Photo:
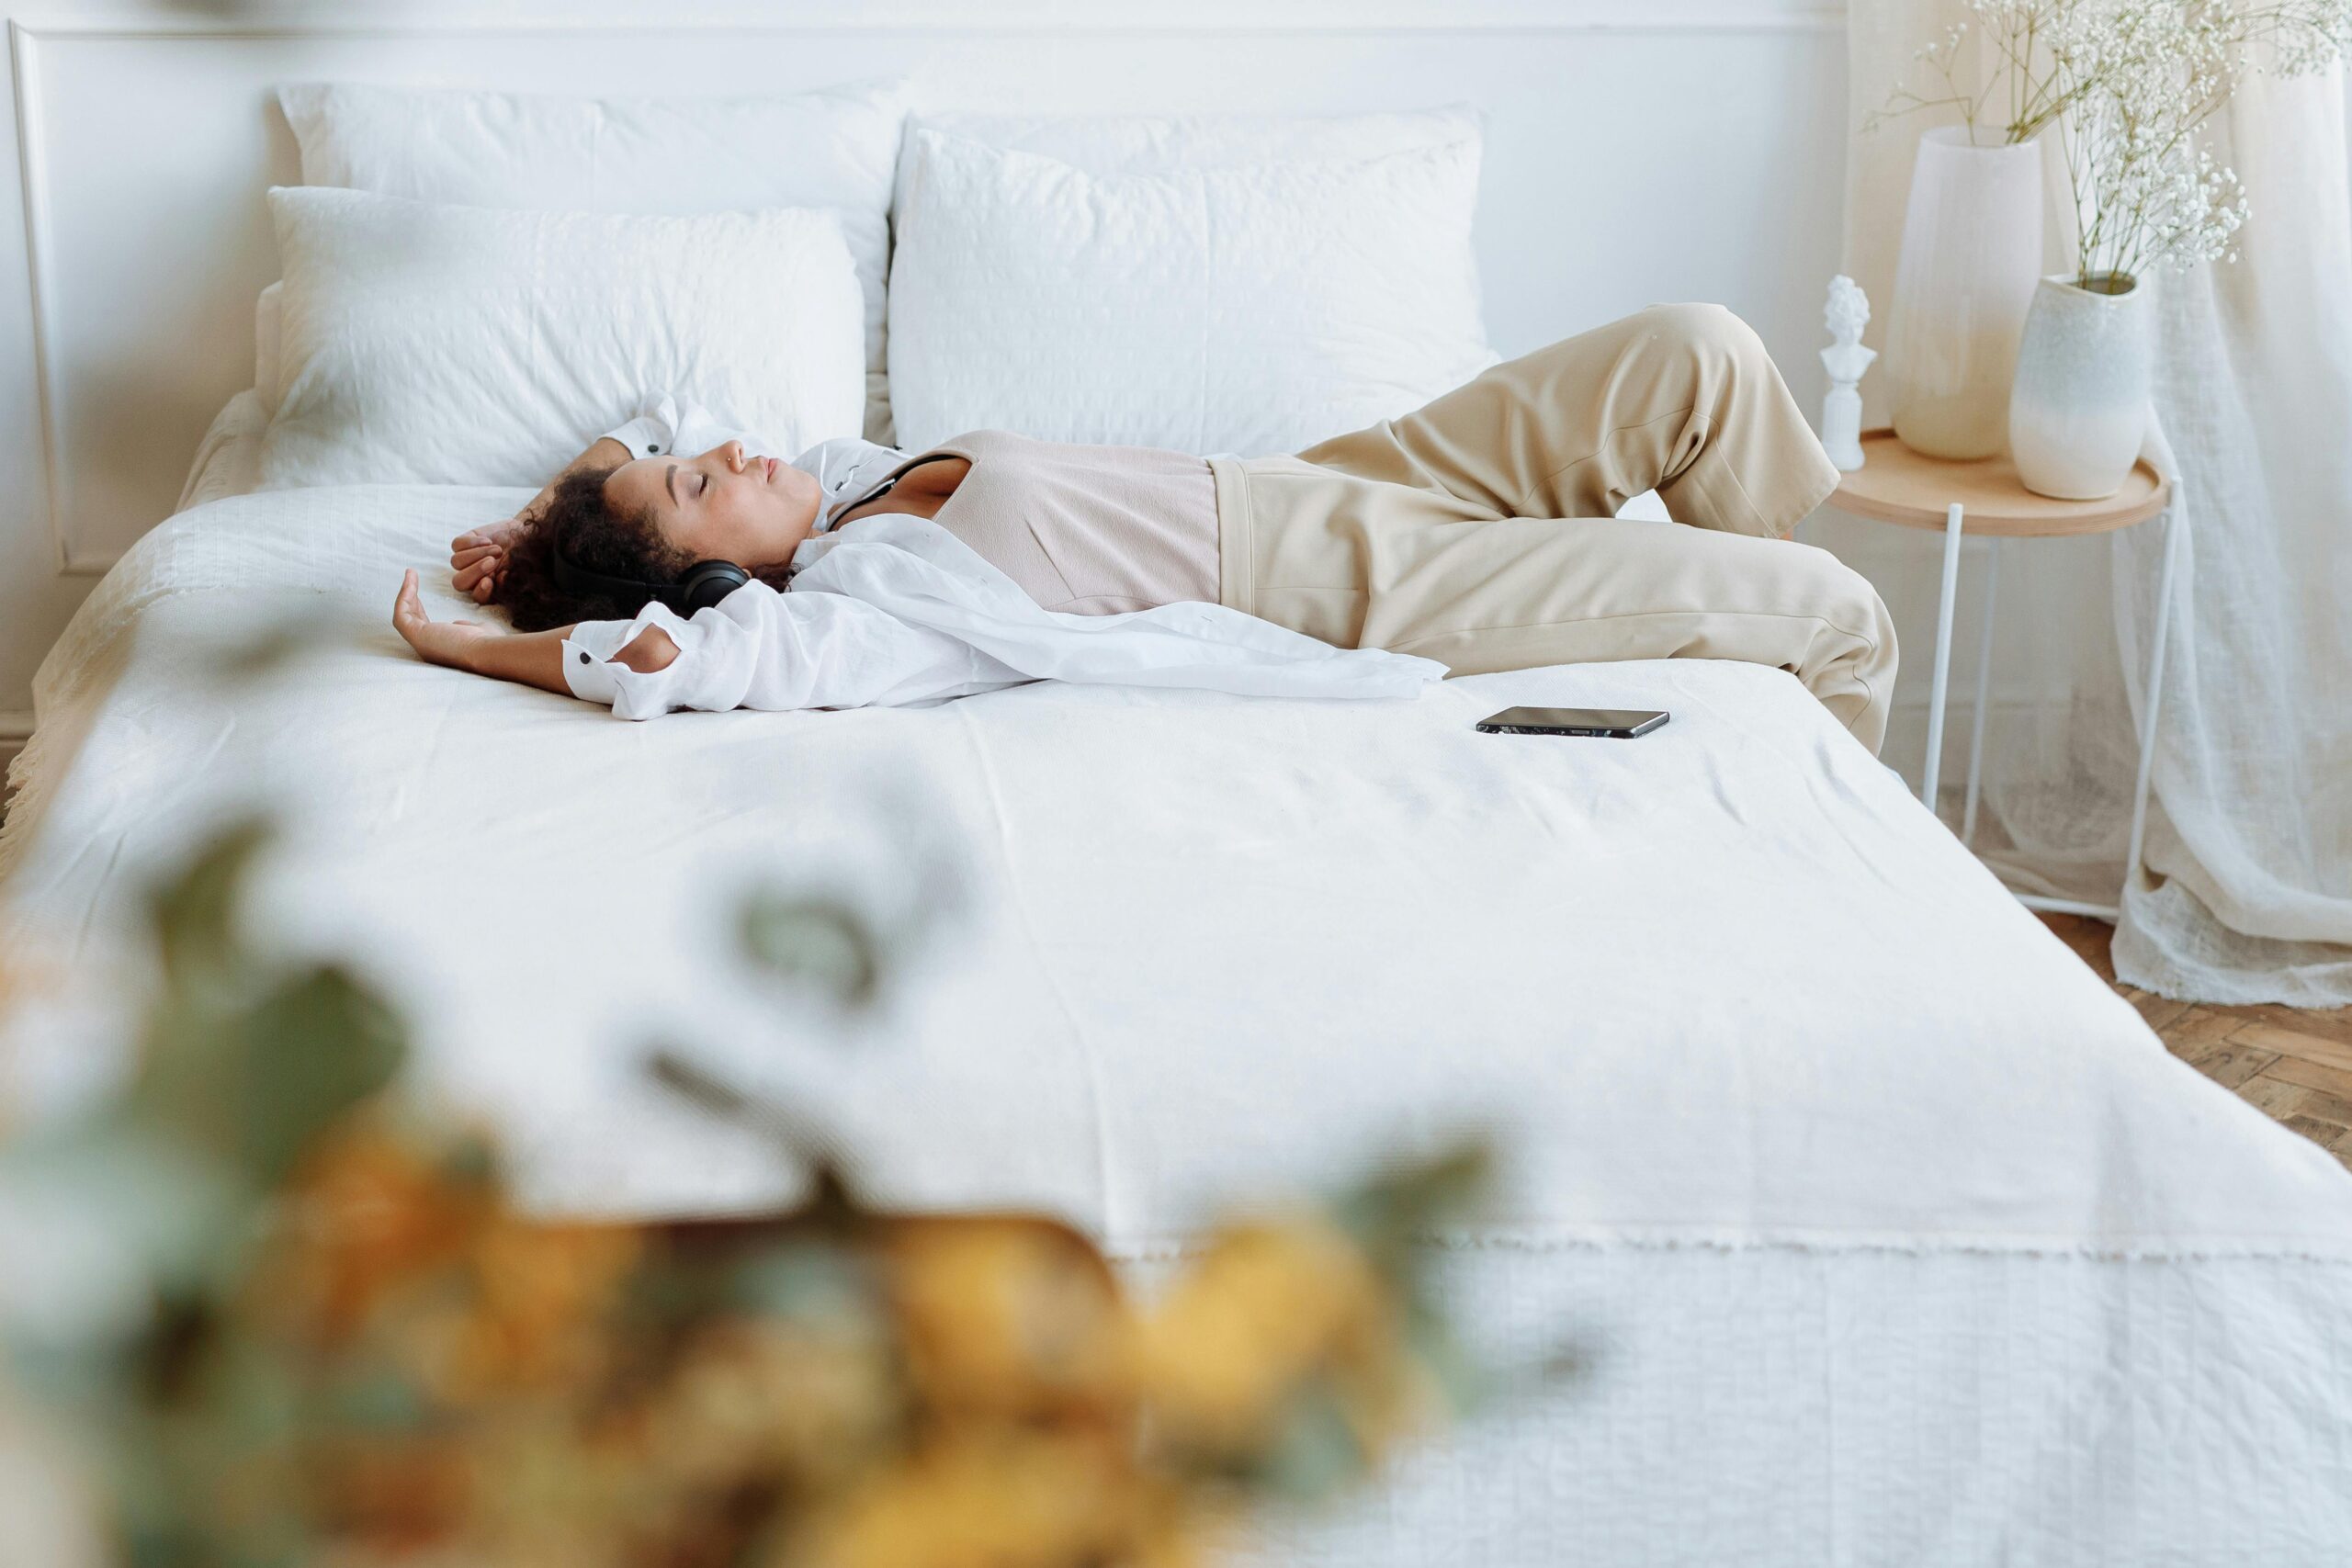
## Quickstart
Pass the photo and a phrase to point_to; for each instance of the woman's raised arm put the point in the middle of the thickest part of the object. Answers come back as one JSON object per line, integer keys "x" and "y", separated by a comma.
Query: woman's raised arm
{"x": 478, "y": 556}
{"x": 532, "y": 658}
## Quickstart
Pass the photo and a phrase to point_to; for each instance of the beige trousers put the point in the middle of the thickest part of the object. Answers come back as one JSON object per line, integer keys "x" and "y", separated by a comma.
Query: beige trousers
{"x": 1478, "y": 531}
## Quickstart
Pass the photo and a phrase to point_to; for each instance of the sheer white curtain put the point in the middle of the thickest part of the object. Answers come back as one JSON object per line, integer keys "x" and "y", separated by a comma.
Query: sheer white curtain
{"x": 2247, "y": 890}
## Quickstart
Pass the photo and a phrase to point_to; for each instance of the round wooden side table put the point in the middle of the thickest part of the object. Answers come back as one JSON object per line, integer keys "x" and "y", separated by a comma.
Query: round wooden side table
{"x": 1897, "y": 485}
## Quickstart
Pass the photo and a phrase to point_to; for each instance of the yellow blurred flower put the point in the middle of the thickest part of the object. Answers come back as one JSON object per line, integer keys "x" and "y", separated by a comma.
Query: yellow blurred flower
{"x": 1272, "y": 1306}
{"x": 1010, "y": 1316}
{"x": 366, "y": 1214}
{"x": 540, "y": 1295}
{"x": 803, "y": 1406}
{"x": 1008, "y": 1496}
{"x": 490, "y": 1302}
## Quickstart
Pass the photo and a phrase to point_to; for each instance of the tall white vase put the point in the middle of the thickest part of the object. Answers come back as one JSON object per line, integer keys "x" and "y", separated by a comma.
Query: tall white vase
{"x": 1972, "y": 250}
{"x": 2079, "y": 411}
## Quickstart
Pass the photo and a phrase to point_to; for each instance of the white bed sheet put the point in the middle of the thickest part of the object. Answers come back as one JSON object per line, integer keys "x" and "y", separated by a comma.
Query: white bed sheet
{"x": 1905, "y": 1239}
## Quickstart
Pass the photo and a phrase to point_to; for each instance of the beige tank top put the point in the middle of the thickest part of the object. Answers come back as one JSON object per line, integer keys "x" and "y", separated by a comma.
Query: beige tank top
{"x": 1086, "y": 530}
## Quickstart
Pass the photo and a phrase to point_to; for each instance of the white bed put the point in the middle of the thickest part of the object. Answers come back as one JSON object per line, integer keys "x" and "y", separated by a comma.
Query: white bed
{"x": 1898, "y": 1238}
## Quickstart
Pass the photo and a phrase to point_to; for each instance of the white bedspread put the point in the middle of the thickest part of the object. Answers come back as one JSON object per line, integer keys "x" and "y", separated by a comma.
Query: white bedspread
{"x": 1725, "y": 989}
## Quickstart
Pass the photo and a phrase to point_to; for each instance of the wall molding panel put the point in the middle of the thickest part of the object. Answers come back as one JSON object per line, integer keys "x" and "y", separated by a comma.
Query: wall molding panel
{"x": 32, "y": 173}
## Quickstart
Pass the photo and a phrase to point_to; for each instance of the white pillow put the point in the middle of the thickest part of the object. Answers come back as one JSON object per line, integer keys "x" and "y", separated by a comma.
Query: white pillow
{"x": 1252, "y": 309}
{"x": 431, "y": 344}
{"x": 1160, "y": 144}
{"x": 834, "y": 149}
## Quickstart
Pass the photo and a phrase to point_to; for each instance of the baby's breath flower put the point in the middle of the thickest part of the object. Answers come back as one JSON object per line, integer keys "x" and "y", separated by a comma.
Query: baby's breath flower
{"x": 2126, "y": 85}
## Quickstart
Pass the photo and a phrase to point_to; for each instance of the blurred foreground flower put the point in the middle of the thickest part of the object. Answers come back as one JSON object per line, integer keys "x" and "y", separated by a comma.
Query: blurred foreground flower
{"x": 313, "y": 1328}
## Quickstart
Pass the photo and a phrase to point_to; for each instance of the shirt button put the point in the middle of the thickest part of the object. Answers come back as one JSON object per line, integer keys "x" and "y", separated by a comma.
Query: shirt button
{"x": 583, "y": 659}
{"x": 651, "y": 447}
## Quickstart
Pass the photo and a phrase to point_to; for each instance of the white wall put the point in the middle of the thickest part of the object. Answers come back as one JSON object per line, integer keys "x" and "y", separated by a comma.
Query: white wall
{"x": 1638, "y": 151}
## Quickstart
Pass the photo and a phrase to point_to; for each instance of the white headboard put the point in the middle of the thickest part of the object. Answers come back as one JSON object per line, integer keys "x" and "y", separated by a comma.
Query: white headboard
{"x": 1638, "y": 151}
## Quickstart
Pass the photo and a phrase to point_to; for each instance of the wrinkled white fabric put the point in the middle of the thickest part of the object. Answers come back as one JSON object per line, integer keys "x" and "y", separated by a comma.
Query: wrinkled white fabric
{"x": 228, "y": 460}
{"x": 2246, "y": 895}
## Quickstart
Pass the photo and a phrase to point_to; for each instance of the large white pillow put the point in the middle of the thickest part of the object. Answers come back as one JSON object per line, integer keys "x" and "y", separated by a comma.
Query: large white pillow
{"x": 1160, "y": 144}
{"x": 834, "y": 149}
{"x": 433, "y": 344}
{"x": 1250, "y": 309}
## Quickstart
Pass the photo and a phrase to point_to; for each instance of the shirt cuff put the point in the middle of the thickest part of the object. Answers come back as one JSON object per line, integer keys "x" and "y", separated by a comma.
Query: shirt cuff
{"x": 644, "y": 437}
{"x": 585, "y": 655}
{"x": 590, "y": 671}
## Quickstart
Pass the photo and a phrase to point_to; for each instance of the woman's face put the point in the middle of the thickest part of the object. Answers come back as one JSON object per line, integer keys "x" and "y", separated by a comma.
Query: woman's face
{"x": 724, "y": 505}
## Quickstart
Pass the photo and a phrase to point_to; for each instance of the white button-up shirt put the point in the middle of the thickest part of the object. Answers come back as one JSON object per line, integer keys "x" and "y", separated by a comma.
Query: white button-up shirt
{"x": 893, "y": 609}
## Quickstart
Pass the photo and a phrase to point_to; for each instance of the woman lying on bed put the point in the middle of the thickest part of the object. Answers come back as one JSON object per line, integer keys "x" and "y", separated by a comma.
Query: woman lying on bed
{"x": 1477, "y": 532}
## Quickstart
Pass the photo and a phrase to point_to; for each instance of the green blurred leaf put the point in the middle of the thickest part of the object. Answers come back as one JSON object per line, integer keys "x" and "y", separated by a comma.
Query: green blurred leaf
{"x": 1316, "y": 1453}
{"x": 469, "y": 1160}
{"x": 803, "y": 1137}
{"x": 314, "y": 1048}
{"x": 195, "y": 914}
{"x": 806, "y": 1278}
{"x": 192, "y": 1477}
{"x": 243, "y": 1062}
{"x": 813, "y": 941}
{"x": 250, "y": 1079}
{"x": 278, "y": 647}
{"x": 1410, "y": 1199}
{"x": 375, "y": 1397}
{"x": 120, "y": 1216}
{"x": 1463, "y": 1381}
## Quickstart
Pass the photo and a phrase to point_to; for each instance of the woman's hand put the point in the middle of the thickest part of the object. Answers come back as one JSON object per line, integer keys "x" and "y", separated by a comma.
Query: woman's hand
{"x": 534, "y": 658}
{"x": 478, "y": 557}
{"x": 455, "y": 643}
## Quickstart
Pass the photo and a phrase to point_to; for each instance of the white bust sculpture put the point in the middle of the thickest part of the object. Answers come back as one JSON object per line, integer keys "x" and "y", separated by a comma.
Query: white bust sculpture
{"x": 1847, "y": 313}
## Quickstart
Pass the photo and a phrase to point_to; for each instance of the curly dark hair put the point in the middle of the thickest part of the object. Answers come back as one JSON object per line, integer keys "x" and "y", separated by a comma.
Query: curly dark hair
{"x": 595, "y": 536}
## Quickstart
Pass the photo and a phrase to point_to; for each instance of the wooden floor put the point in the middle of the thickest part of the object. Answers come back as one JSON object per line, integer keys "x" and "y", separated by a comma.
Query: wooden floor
{"x": 2295, "y": 1068}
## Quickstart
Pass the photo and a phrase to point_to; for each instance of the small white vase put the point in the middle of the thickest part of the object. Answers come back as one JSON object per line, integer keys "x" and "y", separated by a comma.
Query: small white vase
{"x": 1971, "y": 250}
{"x": 2078, "y": 411}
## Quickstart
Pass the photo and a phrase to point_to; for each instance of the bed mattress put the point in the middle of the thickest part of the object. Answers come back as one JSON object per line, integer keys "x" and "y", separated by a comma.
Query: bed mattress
{"x": 1899, "y": 1238}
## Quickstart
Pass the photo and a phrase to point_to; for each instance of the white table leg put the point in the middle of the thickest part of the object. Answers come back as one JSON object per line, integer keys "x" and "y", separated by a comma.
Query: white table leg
{"x": 2150, "y": 710}
{"x": 2154, "y": 703}
{"x": 1941, "y": 687}
{"x": 1983, "y": 691}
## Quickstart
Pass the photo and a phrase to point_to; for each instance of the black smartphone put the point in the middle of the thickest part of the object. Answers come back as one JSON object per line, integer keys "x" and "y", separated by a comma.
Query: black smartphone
{"x": 1617, "y": 723}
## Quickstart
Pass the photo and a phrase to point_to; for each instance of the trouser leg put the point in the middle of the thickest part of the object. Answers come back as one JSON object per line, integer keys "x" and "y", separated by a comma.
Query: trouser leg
{"x": 1517, "y": 593}
{"x": 1679, "y": 399}
{"x": 1438, "y": 533}
{"x": 1364, "y": 563}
